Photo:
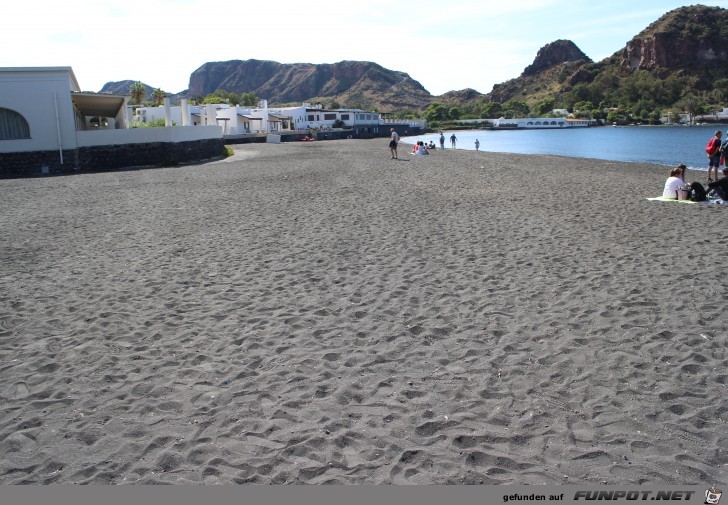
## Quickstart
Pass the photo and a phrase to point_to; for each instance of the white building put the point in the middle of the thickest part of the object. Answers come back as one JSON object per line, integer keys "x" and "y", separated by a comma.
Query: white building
{"x": 42, "y": 109}
{"x": 47, "y": 124}
{"x": 543, "y": 123}
{"x": 241, "y": 120}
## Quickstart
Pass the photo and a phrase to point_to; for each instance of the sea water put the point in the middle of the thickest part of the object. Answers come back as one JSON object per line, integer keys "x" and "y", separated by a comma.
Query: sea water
{"x": 662, "y": 145}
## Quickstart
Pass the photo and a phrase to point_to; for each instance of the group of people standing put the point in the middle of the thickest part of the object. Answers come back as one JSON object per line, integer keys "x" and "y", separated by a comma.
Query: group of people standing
{"x": 394, "y": 141}
{"x": 717, "y": 151}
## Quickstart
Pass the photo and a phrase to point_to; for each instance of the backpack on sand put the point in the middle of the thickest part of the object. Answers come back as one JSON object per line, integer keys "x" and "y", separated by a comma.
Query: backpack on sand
{"x": 697, "y": 192}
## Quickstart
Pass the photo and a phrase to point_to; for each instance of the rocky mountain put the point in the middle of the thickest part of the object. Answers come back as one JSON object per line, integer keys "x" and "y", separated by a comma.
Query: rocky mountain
{"x": 692, "y": 39}
{"x": 555, "y": 64}
{"x": 123, "y": 87}
{"x": 687, "y": 47}
{"x": 555, "y": 53}
{"x": 351, "y": 83}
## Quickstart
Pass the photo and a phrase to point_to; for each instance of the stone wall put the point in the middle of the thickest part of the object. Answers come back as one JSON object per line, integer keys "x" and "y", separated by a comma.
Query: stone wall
{"x": 102, "y": 158}
{"x": 245, "y": 139}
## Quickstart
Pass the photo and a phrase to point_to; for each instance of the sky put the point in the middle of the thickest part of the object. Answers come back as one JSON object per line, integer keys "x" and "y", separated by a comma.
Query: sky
{"x": 445, "y": 45}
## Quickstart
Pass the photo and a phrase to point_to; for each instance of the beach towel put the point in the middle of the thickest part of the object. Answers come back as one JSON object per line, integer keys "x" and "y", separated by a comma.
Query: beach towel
{"x": 663, "y": 199}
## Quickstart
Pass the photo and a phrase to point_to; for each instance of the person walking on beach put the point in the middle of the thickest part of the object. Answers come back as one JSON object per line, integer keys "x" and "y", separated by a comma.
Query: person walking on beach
{"x": 477, "y": 145}
{"x": 393, "y": 143}
{"x": 713, "y": 151}
{"x": 453, "y": 141}
{"x": 442, "y": 141}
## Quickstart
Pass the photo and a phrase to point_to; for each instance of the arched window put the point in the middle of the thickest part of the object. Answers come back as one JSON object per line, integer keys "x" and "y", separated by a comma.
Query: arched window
{"x": 13, "y": 125}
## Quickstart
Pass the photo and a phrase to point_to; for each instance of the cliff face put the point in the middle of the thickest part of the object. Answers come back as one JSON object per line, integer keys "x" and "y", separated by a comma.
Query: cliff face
{"x": 349, "y": 82}
{"x": 685, "y": 38}
{"x": 556, "y": 67}
{"x": 553, "y": 54}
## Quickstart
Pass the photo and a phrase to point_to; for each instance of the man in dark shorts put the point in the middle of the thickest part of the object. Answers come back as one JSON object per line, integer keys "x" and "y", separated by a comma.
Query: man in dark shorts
{"x": 393, "y": 143}
{"x": 713, "y": 151}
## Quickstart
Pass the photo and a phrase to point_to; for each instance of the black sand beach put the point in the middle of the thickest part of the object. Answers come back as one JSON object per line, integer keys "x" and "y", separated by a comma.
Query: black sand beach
{"x": 318, "y": 313}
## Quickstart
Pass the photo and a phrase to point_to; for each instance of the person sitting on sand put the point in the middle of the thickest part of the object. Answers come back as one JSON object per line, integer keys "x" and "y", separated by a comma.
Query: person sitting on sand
{"x": 421, "y": 149}
{"x": 674, "y": 183}
{"x": 720, "y": 187}
{"x": 431, "y": 145}
{"x": 682, "y": 168}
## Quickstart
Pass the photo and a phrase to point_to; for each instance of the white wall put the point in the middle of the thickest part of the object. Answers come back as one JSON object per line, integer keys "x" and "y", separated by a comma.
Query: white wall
{"x": 31, "y": 94}
{"x": 147, "y": 135}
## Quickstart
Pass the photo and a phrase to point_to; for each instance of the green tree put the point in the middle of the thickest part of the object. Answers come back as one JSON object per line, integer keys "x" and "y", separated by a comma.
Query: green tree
{"x": 248, "y": 99}
{"x": 158, "y": 96}
{"x": 689, "y": 103}
{"x": 407, "y": 114}
{"x": 492, "y": 110}
{"x": 137, "y": 92}
{"x": 721, "y": 88}
{"x": 222, "y": 96}
{"x": 516, "y": 108}
{"x": 436, "y": 112}
{"x": 454, "y": 113}
{"x": 545, "y": 106}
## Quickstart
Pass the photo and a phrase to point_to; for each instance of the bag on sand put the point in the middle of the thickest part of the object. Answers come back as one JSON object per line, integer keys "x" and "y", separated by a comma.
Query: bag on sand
{"x": 697, "y": 192}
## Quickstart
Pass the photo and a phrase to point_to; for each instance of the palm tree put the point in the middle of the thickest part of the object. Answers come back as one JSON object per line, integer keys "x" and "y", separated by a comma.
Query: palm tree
{"x": 158, "y": 96}
{"x": 138, "y": 92}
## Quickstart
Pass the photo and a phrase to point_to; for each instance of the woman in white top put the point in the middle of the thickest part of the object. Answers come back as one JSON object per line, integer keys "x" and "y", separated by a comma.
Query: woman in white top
{"x": 674, "y": 183}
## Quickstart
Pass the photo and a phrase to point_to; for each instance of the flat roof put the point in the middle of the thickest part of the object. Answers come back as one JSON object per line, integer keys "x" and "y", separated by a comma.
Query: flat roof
{"x": 66, "y": 70}
{"x": 98, "y": 104}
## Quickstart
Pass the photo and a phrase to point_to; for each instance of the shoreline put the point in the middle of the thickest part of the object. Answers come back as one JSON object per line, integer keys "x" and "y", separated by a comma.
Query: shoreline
{"x": 565, "y": 142}
{"x": 316, "y": 313}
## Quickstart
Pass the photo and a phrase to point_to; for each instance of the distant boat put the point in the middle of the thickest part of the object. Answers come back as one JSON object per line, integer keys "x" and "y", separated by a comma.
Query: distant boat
{"x": 545, "y": 123}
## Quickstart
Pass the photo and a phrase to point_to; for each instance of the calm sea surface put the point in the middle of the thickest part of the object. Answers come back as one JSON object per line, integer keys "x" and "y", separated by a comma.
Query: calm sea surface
{"x": 663, "y": 145}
